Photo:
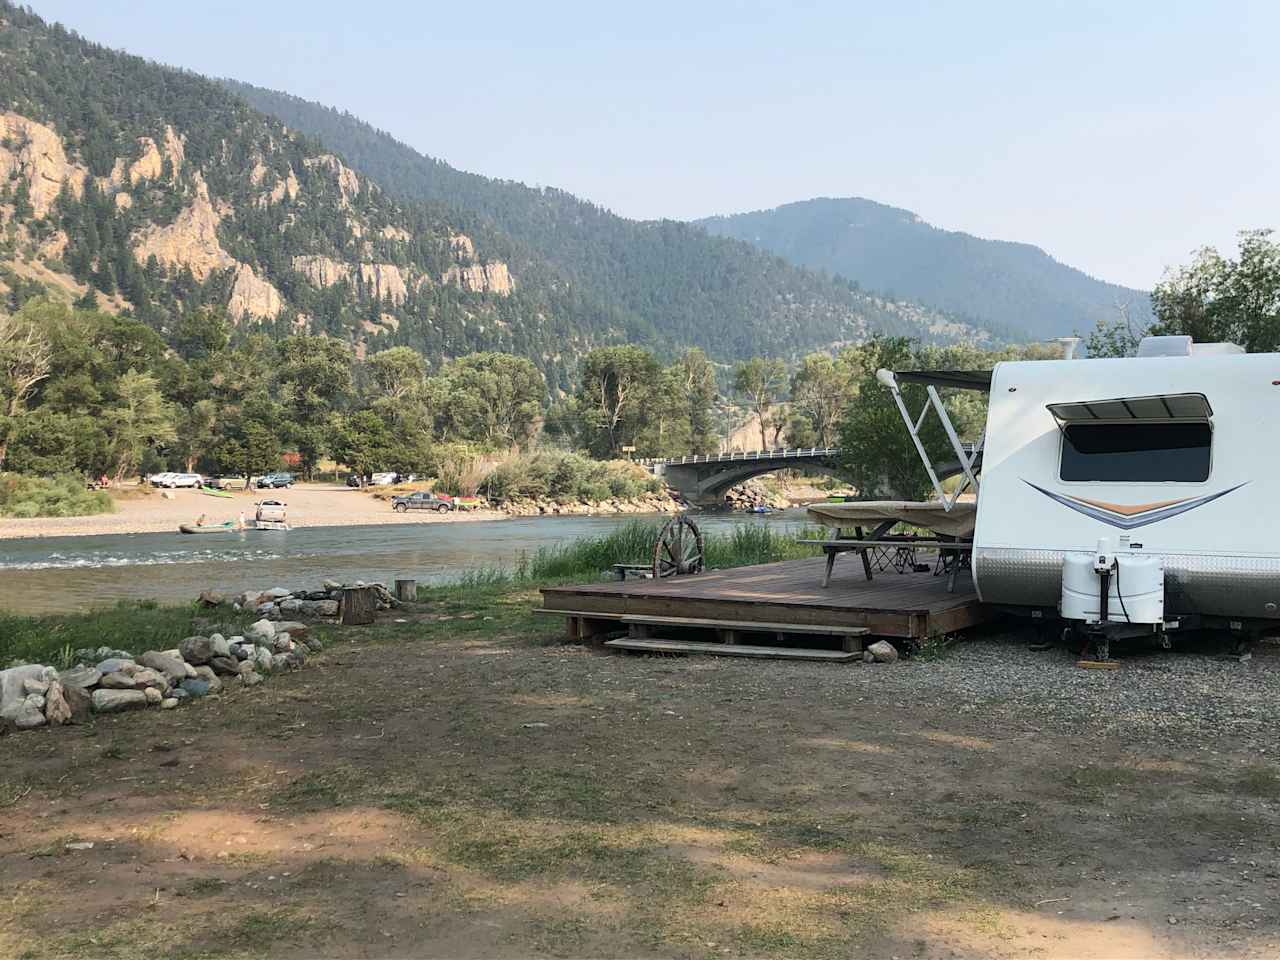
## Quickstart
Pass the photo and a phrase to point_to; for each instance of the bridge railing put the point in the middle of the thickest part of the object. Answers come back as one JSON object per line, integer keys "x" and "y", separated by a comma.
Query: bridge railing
{"x": 779, "y": 453}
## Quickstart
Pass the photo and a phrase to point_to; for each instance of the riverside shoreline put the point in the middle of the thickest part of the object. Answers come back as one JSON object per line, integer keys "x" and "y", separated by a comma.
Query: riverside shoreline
{"x": 310, "y": 505}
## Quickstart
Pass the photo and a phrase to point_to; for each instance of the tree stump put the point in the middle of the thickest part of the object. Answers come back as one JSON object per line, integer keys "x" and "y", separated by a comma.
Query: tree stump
{"x": 359, "y": 605}
{"x": 406, "y": 590}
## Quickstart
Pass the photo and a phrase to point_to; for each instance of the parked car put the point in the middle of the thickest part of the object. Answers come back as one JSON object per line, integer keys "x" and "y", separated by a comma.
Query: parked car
{"x": 229, "y": 483}
{"x": 383, "y": 479}
{"x": 421, "y": 501}
{"x": 274, "y": 481}
{"x": 354, "y": 480}
{"x": 159, "y": 479}
{"x": 172, "y": 480}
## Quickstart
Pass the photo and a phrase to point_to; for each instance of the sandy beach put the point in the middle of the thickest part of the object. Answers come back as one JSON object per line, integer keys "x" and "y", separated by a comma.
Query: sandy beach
{"x": 310, "y": 505}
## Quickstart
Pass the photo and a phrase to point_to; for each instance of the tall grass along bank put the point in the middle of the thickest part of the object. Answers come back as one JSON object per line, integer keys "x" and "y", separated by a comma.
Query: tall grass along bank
{"x": 27, "y": 497}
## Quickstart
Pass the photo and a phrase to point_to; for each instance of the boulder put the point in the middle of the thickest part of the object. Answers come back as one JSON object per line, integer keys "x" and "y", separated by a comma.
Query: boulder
{"x": 262, "y": 659}
{"x": 154, "y": 696}
{"x": 277, "y": 593}
{"x": 327, "y": 608}
{"x": 220, "y": 644}
{"x": 168, "y": 703}
{"x": 81, "y": 677}
{"x": 882, "y": 651}
{"x": 80, "y": 703}
{"x": 208, "y": 676}
{"x": 279, "y": 661}
{"x": 314, "y": 645}
{"x": 331, "y": 585}
{"x": 191, "y": 670}
{"x": 294, "y": 628}
{"x": 225, "y": 666}
{"x": 35, "y": 685}
{"x": 246, "y": 666}
{"x": 147, "y": 678}
{"x": 13, "y": 686}
{"x": 196, "y": 650}
{"x": 282, "y": 643}
{"x": 208, "y": 598}
{"x": 56, "y": 709}
{"x": 250, "y": 678}
{"x": 250, "y": 598}
{"x": 290, "y": 605}
{"x": 124, "y": 665}
{"x": 118, "y": 681}
{"x": 116, "y": 701}
{"x": 241, "y": 651}
{"x": 193, "y": 688}
{"x": 261, "y": 630}
{"x": 24, "y": 713}
{"x": 172, "y": 667}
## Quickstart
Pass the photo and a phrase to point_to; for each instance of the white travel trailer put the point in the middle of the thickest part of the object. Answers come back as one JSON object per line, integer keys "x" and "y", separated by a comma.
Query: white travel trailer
{"x": 1130, "y": 496}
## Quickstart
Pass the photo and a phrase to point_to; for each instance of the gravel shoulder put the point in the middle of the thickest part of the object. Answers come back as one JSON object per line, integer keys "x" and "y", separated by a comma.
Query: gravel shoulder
{"x": 460, "y": 784}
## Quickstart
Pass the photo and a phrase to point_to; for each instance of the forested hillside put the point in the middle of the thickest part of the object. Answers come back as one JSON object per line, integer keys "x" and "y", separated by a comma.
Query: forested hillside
{"x": 670, "y": 281}
{"x": 152, "y": 191}
{"x": 1011, "y": 286}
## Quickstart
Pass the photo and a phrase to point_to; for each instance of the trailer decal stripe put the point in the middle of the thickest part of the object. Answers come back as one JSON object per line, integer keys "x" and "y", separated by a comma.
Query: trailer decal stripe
{"x": 1129, "y": 517}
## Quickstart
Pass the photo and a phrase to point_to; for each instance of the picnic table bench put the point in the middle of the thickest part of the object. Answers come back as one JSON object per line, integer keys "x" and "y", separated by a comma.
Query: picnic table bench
{"x": 953, "y": 532}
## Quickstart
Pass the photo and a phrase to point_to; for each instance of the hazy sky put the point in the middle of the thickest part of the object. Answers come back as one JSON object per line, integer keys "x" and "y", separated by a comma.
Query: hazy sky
{"x": 1118, "y": 136}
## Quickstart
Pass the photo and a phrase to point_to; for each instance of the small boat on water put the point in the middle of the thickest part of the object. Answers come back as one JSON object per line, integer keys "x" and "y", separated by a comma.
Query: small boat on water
{"x": 228, "y": 527}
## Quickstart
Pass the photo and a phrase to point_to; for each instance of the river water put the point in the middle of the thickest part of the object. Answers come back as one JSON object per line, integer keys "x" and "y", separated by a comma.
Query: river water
{"x": 77, "y": 573}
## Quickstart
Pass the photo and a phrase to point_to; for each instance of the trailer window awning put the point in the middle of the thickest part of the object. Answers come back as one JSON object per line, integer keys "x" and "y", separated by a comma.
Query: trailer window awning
{"x": 956, "y": 379}
{"x": 1164, "y": 406}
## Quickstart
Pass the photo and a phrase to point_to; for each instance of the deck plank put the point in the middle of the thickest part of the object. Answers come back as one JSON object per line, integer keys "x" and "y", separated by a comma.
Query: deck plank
{"x": 893, "y": 604}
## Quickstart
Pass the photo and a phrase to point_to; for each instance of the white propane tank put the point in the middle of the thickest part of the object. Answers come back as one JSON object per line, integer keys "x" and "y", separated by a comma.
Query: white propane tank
{"x": 1138, "y": 581}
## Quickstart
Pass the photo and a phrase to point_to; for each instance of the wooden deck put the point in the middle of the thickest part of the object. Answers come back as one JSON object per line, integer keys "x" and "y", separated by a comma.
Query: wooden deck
{"x": 907, "y": 606}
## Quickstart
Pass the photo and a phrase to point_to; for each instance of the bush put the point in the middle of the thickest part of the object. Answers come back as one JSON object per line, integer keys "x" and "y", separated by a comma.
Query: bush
{"x": 63, "y": 496}
{"x": 567, "y": 476}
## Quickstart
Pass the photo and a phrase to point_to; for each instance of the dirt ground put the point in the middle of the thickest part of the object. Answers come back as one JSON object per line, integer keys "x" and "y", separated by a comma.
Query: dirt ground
{"x": 462, "y": 785}
{"x": 310, "y": 505}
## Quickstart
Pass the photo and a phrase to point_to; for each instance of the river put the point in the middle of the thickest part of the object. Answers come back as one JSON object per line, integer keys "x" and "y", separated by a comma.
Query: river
{"x": 55, "y": 574}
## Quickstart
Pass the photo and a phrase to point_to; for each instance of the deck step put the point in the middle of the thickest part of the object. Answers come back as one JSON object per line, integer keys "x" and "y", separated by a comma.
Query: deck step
{"x": 746, "y": 626}
{"x": 730, "y": 650}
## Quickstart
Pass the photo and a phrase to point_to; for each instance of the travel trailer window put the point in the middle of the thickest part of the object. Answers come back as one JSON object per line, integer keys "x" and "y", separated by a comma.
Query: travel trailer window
{"x": 1136, "y": 451}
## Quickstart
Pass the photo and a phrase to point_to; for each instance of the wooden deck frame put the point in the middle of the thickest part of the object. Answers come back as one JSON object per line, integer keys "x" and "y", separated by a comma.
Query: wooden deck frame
{"x": 910, "y": 606}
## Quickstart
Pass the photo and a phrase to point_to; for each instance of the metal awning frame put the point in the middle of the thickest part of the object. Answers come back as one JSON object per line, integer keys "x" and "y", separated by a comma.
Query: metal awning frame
{"x": 967, "y": 461}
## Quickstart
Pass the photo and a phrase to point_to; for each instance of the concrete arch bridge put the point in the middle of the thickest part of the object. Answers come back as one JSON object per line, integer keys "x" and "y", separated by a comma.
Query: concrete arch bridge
{"x": 704, "y": 479}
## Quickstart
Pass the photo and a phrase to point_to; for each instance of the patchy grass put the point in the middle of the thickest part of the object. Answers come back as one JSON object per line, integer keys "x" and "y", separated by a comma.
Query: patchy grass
{"x": 132, "y": 626}
{"x": 1259, "y": 780}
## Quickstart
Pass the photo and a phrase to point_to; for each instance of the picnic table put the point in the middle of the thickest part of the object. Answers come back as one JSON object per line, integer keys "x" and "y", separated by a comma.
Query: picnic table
{"x": 952, "y": 533}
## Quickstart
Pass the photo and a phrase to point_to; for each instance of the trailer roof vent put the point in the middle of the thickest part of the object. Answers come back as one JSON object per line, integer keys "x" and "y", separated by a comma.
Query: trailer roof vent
{"x": 1215, "y": 349}
{"x": 1179, "y": 346}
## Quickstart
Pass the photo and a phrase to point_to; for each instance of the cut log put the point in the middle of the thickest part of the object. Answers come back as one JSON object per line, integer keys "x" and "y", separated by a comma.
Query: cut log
{"x": 406, "y": 590}
{"x": 359, "y": 605}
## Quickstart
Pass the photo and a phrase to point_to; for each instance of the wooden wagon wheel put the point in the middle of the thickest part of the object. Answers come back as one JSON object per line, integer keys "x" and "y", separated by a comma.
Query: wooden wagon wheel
{"x": 678, "y": 549}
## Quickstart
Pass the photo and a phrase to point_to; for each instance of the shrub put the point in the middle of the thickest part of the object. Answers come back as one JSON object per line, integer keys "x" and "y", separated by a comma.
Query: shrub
{"x": 567, "y": 476}
{"x": 62, "y": 496}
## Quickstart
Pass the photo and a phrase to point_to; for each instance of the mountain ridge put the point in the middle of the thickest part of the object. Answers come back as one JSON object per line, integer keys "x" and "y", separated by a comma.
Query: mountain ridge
{"x": 997, "y": 283}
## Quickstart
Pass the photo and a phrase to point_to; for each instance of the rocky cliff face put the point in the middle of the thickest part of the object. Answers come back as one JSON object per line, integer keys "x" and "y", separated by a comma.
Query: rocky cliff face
{"x": 253, "y": 297}
{"x": 492, "y": 278}
{"x": 191, "y": 241}
{"x": 33, "y": 154}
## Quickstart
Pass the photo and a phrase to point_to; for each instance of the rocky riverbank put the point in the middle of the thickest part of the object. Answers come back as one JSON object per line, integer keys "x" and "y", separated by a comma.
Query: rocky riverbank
{"x": 106, "y": 680}
{"x": 666, "y": 502}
